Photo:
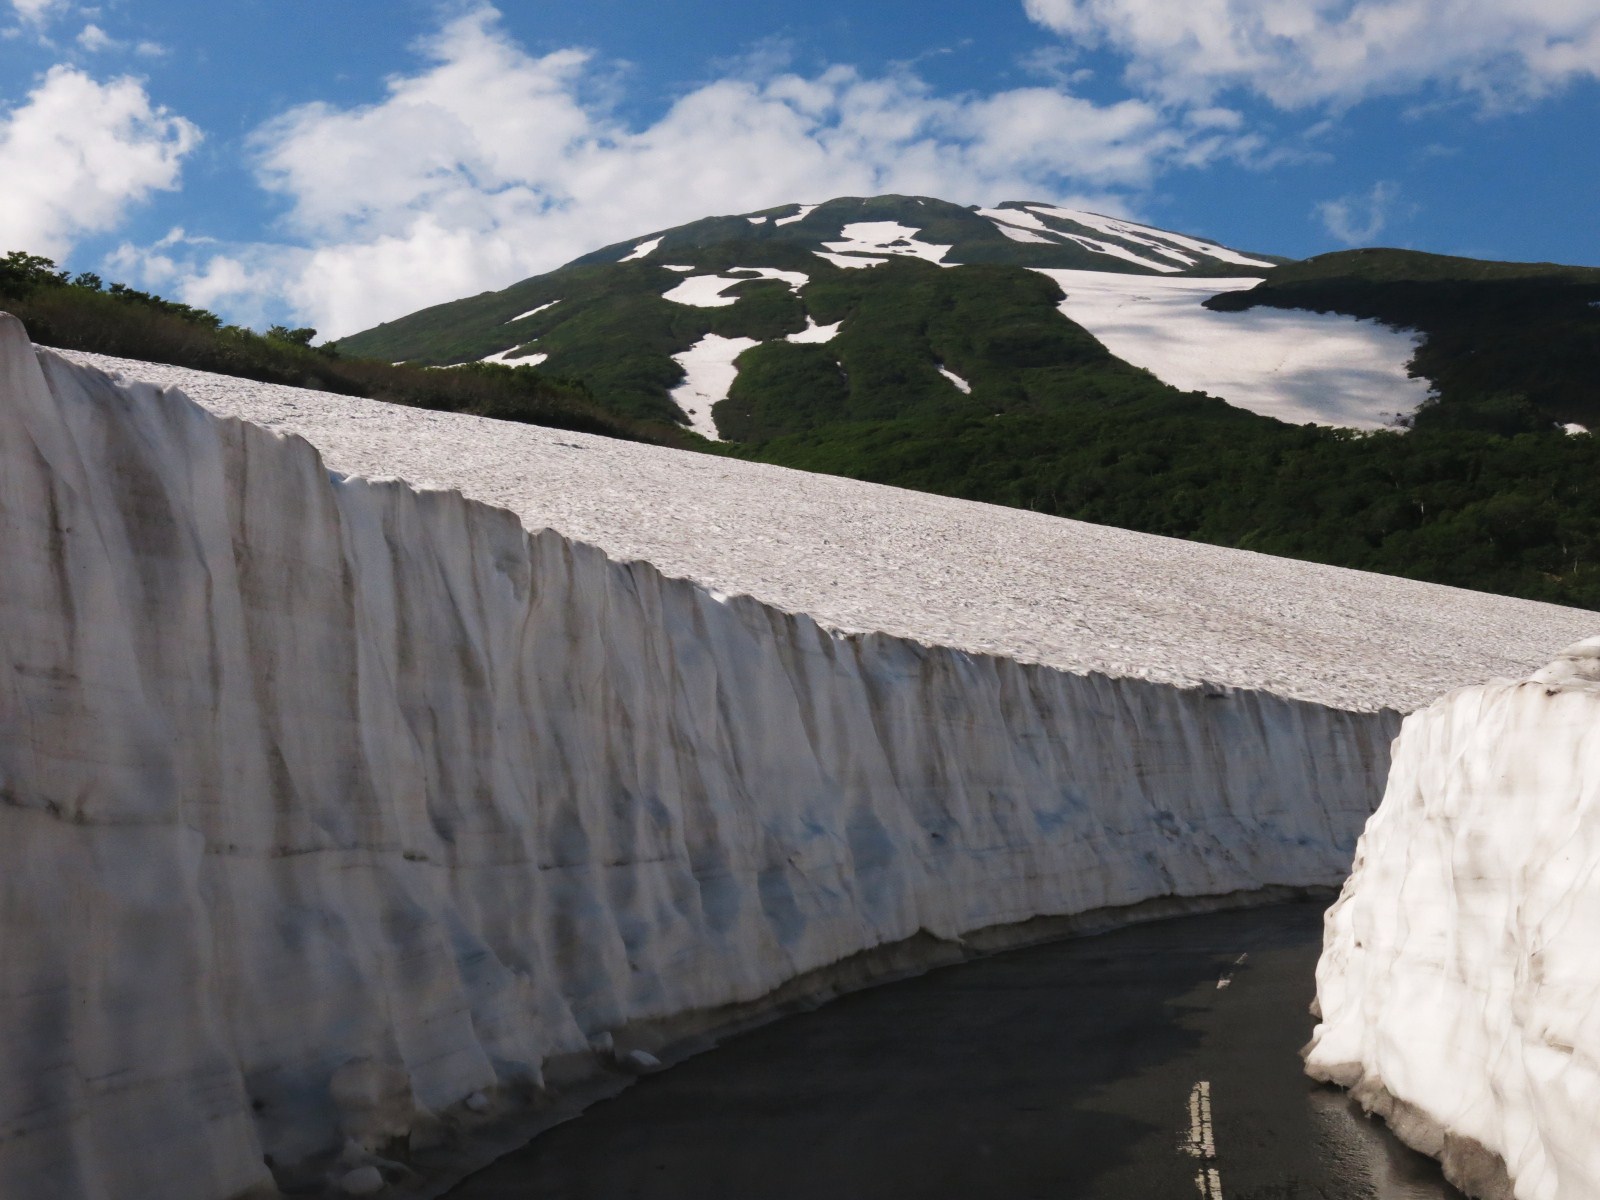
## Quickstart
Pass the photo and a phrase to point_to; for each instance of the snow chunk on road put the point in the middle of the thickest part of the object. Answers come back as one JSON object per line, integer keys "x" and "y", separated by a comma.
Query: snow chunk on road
{"x": 708, "y": 373}
{"x": 706, "y": 291}
{"x": 961, "y": 384}
{"x": 1296, "y": 366}
{"x": 805, "y": 211}
{"x": 886, "y": 237}
{"x": 814, "y": 332}
{"x": 642, "y": 250}
{"x": 533, "y": 311}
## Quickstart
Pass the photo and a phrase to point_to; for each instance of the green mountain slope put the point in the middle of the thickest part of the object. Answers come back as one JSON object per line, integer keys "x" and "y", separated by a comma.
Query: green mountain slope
{"x": 605, "y": 319}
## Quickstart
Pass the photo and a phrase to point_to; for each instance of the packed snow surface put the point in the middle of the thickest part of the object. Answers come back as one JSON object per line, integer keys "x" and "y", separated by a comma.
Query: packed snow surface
{"x": 339, "y": 813}
{"x": 1459, "y": 986}
{"x": 708, "y": 291}
{"x": 708, "y": 373}
{"x": 642, "y": 250}
{"x": 1297, "y": 366}
{"x": 961, "y": 384}
{"x": 858, "y": 556}
{"x": 885, "y": 237}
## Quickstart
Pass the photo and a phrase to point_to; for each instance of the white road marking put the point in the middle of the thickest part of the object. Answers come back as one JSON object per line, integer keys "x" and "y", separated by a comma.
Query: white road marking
{"x": 1202, "y": 1143}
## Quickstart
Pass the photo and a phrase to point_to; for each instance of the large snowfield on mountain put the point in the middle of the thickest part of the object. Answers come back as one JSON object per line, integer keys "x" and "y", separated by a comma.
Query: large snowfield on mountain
{"x": 347, "y": 810}
{"x": 1299, "y": 367}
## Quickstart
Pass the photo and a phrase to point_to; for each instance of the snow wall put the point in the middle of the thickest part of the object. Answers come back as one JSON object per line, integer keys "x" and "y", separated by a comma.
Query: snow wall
{"x": 1459, "y": 985}
{"x": 333, "y": 812}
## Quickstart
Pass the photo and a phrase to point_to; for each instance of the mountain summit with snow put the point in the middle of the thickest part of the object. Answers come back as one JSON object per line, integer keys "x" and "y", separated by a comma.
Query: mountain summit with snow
{"x": 728, "y": 324}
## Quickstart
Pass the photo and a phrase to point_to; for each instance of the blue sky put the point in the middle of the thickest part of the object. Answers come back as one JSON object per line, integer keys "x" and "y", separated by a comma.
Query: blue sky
{"x": 342, "y": 164}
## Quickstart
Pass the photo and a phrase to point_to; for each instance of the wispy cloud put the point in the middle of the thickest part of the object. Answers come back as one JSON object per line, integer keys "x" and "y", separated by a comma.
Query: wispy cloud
{"x": 1360, "y": 218}
{"x": 1309, "y": 52}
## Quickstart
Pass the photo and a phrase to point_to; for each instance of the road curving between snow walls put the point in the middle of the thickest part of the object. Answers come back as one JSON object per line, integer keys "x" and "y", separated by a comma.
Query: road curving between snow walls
{"x": 338, "y": 816}
{"x": 1458, "y": 982}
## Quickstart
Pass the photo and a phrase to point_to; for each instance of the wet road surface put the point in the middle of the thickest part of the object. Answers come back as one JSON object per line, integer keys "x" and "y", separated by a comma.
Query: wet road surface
{"x": 1152, "y": 1062}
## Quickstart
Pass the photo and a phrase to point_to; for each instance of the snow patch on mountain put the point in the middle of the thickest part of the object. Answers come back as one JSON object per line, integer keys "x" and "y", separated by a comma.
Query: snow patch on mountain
{"x": 509, "y": 359}
{"x": 1458, "y": 981}
{"x": 533, "y": 311}
{"x": 1021, "y": 226}
{"x": 1297, "y": 366}
{"x": 886, "y": 237}
{"x": 1159, "y": 240}
{"x": 850, "y": 261}
{"x": 708, "y": 373}
{"x": 707, "y": 291}
{"x": 961, "y": 384}
{"x": 802, "y": 212}
{"x": 815, "y": 333}
{"x": 642, "y": 250}
{"x": 756, "y": 220}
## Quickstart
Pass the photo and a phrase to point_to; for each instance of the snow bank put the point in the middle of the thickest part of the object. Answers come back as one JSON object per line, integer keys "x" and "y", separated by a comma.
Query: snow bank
{"x": 337, "y": 813}
{"x": 1459, "y": 977}
{"x": 1296, "y": 366}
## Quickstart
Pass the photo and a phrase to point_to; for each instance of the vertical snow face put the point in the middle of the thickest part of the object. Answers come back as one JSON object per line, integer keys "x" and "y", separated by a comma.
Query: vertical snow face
{"x": 1458, "y": 981}
{"x": 332, "y": 810}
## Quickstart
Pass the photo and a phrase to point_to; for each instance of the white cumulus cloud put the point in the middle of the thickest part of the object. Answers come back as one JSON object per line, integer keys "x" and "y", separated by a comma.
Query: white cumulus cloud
{"x": 1302, "y": 52}
{"x": 490, "y": 164}
{"x": 36, "y": 12}
{"x": 77, "y": 153}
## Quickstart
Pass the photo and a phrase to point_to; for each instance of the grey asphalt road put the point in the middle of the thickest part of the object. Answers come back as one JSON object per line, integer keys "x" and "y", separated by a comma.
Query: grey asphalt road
{"x": 1103, "y": 1068}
